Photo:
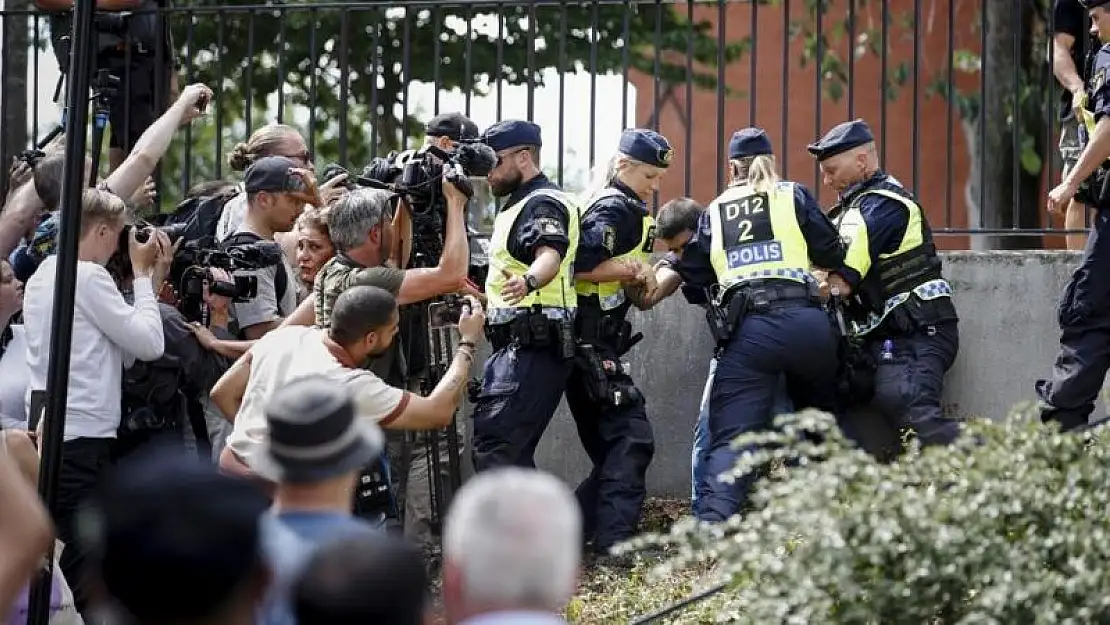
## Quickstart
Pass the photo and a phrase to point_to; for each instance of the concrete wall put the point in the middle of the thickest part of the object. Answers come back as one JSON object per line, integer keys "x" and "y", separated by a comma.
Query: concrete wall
{"x": 1008, "y": 339}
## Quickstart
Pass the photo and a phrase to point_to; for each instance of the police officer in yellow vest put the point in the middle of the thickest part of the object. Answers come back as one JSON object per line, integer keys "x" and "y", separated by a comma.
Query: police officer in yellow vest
{"x": 617, "y": 236}
{"x": 759, "y": 238}
{"x": 891, "y": 267}
{"x": 531, "y": 301}
{"x": 1068, "y": 397}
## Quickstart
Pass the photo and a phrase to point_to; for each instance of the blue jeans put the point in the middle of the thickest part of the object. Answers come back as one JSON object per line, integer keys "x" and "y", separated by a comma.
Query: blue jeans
{"x": 699, "y": 478}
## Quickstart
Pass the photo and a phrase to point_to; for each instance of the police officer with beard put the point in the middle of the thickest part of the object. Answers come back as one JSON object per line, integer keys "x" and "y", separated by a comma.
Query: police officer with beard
{"x": 531, "y": 301}
{"x": 759, "y": 239}
{"x": 617, "y": 236}
{"x": 907, "y": 317}
{"x": 1068, "y": 397}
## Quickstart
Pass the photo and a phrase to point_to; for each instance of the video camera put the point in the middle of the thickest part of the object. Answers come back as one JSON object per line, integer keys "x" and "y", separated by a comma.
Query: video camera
{"x": 416, "y": 175}
{"x": 194, "y": 220}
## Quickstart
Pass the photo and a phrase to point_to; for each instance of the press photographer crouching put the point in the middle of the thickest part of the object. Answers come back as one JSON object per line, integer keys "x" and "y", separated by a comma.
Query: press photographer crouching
{"x": 133, "y": 44}
{"x": 108, "y": 333}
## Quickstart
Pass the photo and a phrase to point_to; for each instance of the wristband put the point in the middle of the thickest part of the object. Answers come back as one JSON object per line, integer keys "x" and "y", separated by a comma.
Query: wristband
{"x": 469, "y": 344}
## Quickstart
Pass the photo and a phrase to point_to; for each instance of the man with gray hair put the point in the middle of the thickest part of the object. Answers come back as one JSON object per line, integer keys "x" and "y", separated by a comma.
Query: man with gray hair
{"x": 511, "y": 549}
{"x": 362, "y": 230}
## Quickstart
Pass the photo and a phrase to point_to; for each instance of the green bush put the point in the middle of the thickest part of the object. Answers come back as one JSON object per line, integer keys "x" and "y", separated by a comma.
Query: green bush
{"x": 1010, "y": 525}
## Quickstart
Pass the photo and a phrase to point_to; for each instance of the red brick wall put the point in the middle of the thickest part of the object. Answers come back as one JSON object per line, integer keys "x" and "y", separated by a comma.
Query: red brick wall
{"x": 940, "y": 191}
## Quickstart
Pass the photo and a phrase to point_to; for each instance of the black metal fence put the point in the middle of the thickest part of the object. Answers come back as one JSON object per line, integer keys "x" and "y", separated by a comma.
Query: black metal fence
{"x": 960, "y": 93}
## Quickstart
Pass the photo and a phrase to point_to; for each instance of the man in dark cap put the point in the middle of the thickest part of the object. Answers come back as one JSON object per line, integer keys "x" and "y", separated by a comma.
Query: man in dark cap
{"x": 751, "y": 255}
{"x": 173, "y": 541}
{"x": 892, "y": 271}
{"x": 614, "y": 251}
{"x": 530, "y": 290}
{"x": 454, "y": 127}
{"x": 277, "y": 190}
{"x": 1068, "y": 397}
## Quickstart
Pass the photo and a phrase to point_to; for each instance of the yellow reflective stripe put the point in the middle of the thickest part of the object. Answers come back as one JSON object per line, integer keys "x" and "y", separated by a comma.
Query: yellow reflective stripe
{"x": 858, "y": 256}
{"x": 785, "y": 255}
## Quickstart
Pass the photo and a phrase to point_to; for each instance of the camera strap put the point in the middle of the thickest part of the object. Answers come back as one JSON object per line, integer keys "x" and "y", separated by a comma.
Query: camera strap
{"x": 281, "y": 275}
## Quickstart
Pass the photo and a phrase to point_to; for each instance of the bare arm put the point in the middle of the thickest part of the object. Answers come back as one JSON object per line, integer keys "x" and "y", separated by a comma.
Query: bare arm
{"x": 228, "y": 391}
{"x": 448, "y": 276}
{"x": 304, "y": 315}
{"x": 152, "y": 145}
{"x": 546, "y": 265}
{"x": 612, "y": 270}
{"x": 18, "y": 217}
{"x": 435, "y": 410}
{"x": 1063, "y": 67}
{"x": 402, "y": 225}
{"x": 25, "y": 532}
{"x": 667, "y": 282}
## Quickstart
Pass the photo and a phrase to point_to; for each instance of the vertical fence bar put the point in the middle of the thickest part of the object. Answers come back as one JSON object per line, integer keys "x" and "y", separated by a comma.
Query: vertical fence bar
{"x": 656, "y": 82}
{"x": 1015, "y": 120}
{"x": 406, "y": 77}
{"x": 437, "y": 53}
{"x": 916, "y": 140}
{"x": 313, "y": 77}
{"x": 35, "y": 80}
{"x": 884, "y": 69}
{"x": 345, "y": 84}
{"x": 851, "y": 59}
{"x": 249, "y": 78}
{"x": 190, "y": 72}
{"x": 818, "y": 83}
{"x": 722, "y": 41}
{"x": 688, "y": 113}
{"x": 282, "y": 17}
{"x": 562, "y": 68}
{"x": 753, "y": 81}
{"x": 219, "y": 87}
{"x": 500, "y": 71}
{"x": 785, "y": 88}
{"x": 531, "y": 60}
{"x": 626, "y": 37}
{"x": 949, "y": 130}
{"x": 468, "y": 80}
{"x": 593, "y": 84}
{"x": 984, "y": 25}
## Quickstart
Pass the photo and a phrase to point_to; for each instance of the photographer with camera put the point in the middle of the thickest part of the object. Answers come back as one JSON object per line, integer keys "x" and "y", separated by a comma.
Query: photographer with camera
{"x": 107, "y": 334}
{"x": 277, "y": 190}
{"x": 365, "y": 320}
{"x": 133, "y": 43}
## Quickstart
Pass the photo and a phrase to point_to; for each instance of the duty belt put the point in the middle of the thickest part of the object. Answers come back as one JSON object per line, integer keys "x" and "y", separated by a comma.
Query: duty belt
{"x": 528, "y": 330}
{"x": 764, "y": 295}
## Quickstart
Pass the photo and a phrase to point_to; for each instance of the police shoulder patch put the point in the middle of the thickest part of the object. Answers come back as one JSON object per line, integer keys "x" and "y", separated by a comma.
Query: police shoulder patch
{"x": 609, "y": 238}
{"x": 1098, "y": 79}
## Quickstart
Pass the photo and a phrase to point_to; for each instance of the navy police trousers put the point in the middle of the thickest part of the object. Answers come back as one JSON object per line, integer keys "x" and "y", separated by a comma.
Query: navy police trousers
{"x": 521, "y": 389}
{"x": 620, "y": 444}
{"x": 1068, "y": 397}
{"x": 797, "y": 342}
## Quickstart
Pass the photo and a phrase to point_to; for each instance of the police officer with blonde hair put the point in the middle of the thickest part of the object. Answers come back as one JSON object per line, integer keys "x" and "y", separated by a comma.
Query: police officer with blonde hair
{"x": 759, "y": 238}
{"x": 531, "y": 301}
{"x": 614, "y": 253}
{"x": 892, "y": 269}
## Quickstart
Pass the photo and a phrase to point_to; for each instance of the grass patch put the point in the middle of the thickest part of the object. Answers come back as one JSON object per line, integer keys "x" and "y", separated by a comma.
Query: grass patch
{"x": 617, "y": 595}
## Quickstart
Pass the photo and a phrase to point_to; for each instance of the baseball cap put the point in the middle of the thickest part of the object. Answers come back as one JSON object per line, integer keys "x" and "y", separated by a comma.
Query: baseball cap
{"x": 454, "y": 126}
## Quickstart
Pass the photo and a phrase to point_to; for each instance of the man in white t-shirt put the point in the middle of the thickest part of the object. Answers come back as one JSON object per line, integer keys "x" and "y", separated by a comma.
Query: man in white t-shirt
{"x": 108, "y": 334}
{"x": 364, "y": 322}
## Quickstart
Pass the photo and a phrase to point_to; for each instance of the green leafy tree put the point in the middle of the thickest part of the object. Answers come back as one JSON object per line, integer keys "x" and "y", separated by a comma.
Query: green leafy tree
{"x": 1015, "y": 95}
{"x": 355, "y": 63}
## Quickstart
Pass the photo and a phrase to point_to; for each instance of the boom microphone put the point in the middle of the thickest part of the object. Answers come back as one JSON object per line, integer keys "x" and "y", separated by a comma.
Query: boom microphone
{"x": 477, "y": 159}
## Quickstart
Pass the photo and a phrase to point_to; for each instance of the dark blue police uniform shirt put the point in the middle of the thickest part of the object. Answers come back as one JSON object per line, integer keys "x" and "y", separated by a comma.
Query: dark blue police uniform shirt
{"x": 542, "y": 222}
{"x": 1098, "y": 91}
{"x": 885, "y": 219}
{"x": 825, "y": 247}
{"x": 612, "y": 226}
